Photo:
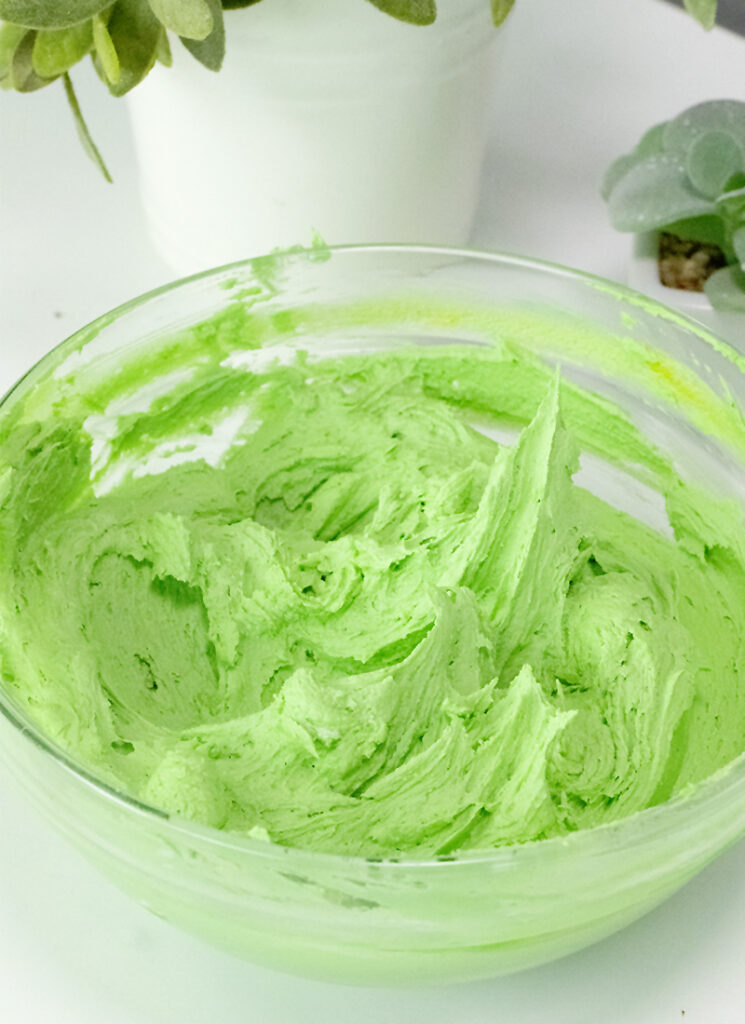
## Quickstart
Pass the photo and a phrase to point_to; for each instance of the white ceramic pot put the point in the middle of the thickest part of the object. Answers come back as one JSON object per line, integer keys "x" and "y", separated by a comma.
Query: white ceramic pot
{"x": 327, "y": 116}
{"x": 644, "y": 276}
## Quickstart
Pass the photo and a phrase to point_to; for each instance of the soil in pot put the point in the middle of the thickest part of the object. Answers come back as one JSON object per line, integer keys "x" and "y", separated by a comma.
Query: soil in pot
{"x": 686, "y": 264}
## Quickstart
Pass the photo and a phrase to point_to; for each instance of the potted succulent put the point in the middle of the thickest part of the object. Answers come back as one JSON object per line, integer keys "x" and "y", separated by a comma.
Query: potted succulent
{"x": 681, "y": 192}
{"x": 362, "y": 119}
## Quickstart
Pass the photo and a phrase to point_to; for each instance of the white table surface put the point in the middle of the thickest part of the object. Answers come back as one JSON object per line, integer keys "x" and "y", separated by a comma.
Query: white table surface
{"x": 581, "y": 81}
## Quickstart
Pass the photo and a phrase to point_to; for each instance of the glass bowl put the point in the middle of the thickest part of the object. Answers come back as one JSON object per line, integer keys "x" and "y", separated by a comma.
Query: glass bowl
{"x": 464, "y": 916}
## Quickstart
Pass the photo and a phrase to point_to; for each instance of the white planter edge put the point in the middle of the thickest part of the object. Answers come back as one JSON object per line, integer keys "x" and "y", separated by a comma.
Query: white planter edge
{"x": 643, "y": 276}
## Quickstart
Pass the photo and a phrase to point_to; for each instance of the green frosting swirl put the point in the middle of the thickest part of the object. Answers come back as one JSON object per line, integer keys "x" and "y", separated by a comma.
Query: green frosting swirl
{"x": 355, "y": 622}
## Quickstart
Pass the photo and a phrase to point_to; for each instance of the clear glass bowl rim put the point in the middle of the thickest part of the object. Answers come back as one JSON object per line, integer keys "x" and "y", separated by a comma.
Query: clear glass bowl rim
{"x": 637, "y": 830}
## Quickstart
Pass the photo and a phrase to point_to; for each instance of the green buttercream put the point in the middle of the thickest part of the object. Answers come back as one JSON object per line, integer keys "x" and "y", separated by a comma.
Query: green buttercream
{"x": 307, "y": 598}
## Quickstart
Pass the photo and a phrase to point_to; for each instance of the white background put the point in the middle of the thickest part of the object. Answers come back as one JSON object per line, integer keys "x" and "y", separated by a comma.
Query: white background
{"x": 581, "y": 80}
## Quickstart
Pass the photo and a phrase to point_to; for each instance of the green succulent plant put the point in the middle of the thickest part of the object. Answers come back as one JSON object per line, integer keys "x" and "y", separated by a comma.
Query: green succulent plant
{"x": 687, "y": 176}
{"x": 41, "y": 40}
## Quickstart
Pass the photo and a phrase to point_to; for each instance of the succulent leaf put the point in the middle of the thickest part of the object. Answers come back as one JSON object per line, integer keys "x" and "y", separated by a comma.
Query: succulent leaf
{"x": 649, "y": 144}
{"x": 56, "y": 50}
{"x": 704, "y": 11}
{"x": 50, "y": 13}
{"x": 708, "y": 230}
{"x": 85, "y": 136}
{"x": 11, "y": 37}
{"x": 617, "y": 170}
{"x": 163, "y": 50}
{"x": 106, "y": 50}
{"x": 210, "y": 51}
{"x": 725, "y": 289}
{"x": 23, "y": 77}
{"x": 415, "y": 12}
{"x": 652, "y": 141}
{"x": 135, "y": 33}
{"x": 714, "y": 115}
{"x": 654, "y": 192}
{"x": 190, "y": 18}
{"x": 713, "y": 159}
{"x": 500, "y": 9}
